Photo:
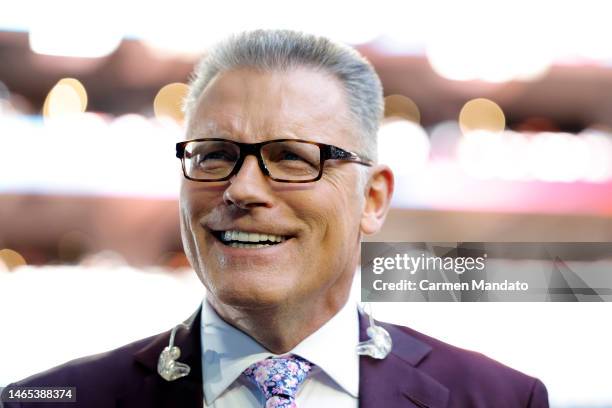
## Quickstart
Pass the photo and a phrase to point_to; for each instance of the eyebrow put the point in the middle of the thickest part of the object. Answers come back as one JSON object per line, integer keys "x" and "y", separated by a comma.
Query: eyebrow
{"x": 213, "y": 129}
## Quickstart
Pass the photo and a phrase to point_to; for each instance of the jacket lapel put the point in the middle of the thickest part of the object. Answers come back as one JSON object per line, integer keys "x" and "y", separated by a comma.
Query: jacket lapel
{"x": 396, "y": 381}
{"x": 157, "y": 392}
{"x": 393, "y": 382}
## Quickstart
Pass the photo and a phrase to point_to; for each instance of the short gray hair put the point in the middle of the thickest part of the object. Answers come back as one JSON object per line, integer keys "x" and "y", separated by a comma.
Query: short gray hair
{"x": 270, "y": 50}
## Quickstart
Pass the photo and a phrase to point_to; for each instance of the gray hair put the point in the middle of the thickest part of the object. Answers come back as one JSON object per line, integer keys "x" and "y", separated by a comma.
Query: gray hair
{"x": 270, "y": 50}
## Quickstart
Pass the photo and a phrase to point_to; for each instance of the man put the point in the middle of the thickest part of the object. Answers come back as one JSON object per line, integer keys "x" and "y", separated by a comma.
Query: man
{"x": 280, "y": 183}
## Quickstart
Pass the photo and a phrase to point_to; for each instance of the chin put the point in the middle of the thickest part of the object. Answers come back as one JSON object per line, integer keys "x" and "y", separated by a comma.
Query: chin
{"x": 255, "y": 296}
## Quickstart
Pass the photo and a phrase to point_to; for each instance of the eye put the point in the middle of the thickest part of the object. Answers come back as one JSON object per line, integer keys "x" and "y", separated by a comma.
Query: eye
{"x": 217, "y": 155}
{"x": 214, "y": 160}
{"x": 291, "y": 156}
{"x": 287, "y": 155}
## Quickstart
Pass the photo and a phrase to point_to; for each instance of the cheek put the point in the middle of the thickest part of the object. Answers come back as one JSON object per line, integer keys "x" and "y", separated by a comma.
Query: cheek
{"x": 197, "y": 200}
{"x": 187, "y": 236}
{"x": 188, "y": 199}
{"x": 345, "y": 200}
{"x": 191, "y": 209}
{"x": 333, "y": 213}
{"x": 186, "y": 212}
{"x": 345, "y": 211}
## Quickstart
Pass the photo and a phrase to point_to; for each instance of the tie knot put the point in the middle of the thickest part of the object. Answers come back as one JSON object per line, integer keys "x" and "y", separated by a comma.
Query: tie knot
{"x": 279, "y": 378}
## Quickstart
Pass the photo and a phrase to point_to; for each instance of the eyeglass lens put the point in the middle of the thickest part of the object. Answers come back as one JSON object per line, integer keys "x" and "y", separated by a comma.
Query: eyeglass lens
{"x": 287, "y": 160}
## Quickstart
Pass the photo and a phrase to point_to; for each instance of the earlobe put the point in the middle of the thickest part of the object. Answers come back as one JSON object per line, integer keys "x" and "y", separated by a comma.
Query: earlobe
{"x": 377, "y": 199}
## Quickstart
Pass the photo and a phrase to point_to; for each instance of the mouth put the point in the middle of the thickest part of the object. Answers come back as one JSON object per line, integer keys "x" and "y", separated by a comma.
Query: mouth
{"x": 244, "y": 239}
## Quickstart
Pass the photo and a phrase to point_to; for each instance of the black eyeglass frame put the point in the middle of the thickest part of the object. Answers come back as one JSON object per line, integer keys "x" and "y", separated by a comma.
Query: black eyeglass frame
{"x": 327, "y": 152}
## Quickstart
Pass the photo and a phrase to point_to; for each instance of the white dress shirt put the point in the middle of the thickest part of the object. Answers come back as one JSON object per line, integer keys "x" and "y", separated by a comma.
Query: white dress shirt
{"x": 333, "y": 381}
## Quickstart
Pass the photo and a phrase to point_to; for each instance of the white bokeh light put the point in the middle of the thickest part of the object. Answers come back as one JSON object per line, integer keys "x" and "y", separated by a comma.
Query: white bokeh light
{"x": 599, "y": 146}
{"x": 479, "y": 153}
{"x": 404, "y": 146}
{"x": 479, "y": 42}
{"x": 558, "y": 157}
{"x": 74, "y": 29}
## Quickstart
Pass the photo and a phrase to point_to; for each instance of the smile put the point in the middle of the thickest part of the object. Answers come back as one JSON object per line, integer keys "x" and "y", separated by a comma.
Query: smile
{"x": 243, "y": 239}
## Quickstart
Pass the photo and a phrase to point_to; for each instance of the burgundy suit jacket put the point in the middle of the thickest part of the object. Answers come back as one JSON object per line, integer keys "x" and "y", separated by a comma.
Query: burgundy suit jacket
{"x": 419, "y": 372}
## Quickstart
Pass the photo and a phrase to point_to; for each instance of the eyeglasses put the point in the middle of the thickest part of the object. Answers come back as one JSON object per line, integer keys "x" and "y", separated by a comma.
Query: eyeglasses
{"x": 285, "y": 160}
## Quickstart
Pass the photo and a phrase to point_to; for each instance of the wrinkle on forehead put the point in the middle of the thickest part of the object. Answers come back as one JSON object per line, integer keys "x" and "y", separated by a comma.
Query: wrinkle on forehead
{"x": 246, "y": 104}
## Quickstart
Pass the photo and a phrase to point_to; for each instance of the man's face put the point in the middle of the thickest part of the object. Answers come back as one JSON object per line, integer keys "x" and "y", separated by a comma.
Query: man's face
{"x": 318, "y": 222}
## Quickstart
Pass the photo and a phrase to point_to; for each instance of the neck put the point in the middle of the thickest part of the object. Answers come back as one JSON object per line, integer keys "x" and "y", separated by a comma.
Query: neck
{"x": 279, "y": 328}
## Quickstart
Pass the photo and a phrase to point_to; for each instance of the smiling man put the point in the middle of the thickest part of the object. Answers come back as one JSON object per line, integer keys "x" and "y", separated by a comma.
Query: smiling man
{"x": 275, "y": 247}
{"x": 280, "y": 184}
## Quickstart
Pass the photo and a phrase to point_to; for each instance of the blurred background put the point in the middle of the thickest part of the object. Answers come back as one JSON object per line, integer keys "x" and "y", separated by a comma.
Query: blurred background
{"x": 498, "y": 126}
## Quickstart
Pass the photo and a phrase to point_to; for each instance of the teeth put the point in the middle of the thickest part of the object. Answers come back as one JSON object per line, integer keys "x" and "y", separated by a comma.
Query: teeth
{"x": 241, "y": 245}
{"x": 250, "y": 237}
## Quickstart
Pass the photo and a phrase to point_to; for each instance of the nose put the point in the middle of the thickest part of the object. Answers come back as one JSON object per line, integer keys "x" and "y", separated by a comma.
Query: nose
{"x": 249, "y": 188}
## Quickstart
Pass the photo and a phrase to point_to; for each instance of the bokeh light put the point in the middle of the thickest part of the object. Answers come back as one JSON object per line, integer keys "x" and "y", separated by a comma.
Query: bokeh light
{"x": 169, "y": 100}
{"x": 489, "y": 155}
{"x": 66, "y": 99}
{"x": 400, "y": 106}
{"x": 478, "y": 153}
{"x": 444, "y": 138}
{"x": 12, "y": 259}
{"x": 512, "y": 165}
{"x": 481, "y": 114}
{"x": 480, "y": 42}
{"x": 558, "y": 157}
{"x": 72, "y": 29}
{"x": 403, "y": 145}
{"x": 599, "y": 146}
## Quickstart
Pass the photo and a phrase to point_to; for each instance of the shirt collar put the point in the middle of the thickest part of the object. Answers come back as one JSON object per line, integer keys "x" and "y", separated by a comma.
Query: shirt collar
{"x": 227, "y": 352}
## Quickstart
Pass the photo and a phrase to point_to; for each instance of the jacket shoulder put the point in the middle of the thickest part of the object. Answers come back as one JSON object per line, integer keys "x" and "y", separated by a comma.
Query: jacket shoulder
{"x": 98, "y": 378}
{"x": 476, "y": 379}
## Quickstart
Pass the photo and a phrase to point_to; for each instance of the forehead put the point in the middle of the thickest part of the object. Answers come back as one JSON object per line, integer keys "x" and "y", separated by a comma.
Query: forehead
{"x": 256, "y": 105}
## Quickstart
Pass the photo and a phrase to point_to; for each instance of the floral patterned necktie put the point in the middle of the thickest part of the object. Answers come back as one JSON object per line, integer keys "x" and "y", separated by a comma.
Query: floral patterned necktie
{"x": 279, "y": 379}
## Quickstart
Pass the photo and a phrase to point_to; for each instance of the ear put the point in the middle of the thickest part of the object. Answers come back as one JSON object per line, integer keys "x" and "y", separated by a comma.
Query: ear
{"x": 377, "y": 199}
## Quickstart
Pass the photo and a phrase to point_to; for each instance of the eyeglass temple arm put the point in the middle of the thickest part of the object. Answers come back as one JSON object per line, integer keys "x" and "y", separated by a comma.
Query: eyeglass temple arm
{"x": 336, "y": 153}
